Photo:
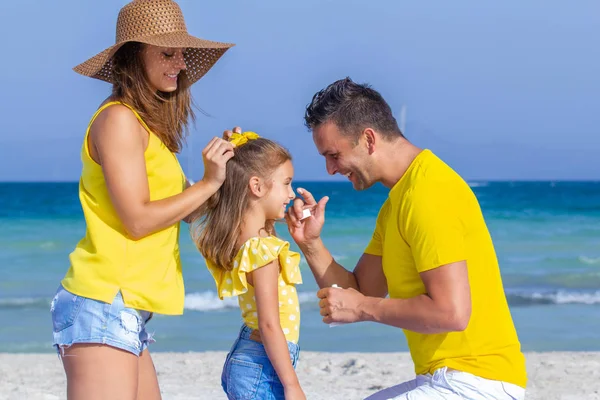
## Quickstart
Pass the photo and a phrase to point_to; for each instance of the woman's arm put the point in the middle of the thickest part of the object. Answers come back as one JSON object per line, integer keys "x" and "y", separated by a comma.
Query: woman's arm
{"x": 118, "y": 142}
{"x": 265, "y": 284}
{"x": 188, "y": 218}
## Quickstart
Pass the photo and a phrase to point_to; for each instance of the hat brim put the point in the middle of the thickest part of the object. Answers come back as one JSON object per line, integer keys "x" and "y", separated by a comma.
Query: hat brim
{"x": 200, "y": 55}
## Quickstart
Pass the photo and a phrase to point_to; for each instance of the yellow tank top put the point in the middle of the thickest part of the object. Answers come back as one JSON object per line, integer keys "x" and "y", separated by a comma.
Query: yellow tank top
{"x": 106, "y": 260}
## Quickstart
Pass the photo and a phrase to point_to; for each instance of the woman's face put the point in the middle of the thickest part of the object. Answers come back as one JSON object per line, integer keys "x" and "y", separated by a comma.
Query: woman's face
{"x": 163, "y": 66}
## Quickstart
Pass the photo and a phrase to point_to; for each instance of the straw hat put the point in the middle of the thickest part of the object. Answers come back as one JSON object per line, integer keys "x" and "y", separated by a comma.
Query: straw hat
{"x": 159, "y": 23}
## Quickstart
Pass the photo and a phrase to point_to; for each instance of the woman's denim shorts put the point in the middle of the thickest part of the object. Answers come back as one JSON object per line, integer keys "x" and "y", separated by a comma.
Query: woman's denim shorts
{"x": 248, "y": 372}
{"x": 77, "y": 319}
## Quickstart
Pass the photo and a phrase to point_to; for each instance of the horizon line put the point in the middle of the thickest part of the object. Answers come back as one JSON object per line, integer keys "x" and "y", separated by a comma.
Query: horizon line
{"x": 344, "y": 181}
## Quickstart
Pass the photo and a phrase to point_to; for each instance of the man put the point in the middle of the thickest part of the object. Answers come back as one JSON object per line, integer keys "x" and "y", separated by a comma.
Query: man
{"x": 431, "y": 252}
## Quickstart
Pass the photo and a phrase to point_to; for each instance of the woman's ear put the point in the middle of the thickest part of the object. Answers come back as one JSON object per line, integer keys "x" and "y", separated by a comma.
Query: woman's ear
{"x": 256, "y": 186}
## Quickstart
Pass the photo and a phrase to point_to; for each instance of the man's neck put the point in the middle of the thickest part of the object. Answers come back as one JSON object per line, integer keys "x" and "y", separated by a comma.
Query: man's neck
{"x": 396, "y": 159}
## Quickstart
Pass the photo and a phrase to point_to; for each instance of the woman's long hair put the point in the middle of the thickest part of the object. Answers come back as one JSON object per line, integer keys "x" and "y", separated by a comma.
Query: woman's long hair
{"x": 166, "y": 114}
{"x": 218, "y": 223}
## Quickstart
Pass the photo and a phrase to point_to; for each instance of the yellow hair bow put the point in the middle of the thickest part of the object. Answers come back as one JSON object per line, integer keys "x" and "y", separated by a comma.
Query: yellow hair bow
{"x": 239, "y": 139}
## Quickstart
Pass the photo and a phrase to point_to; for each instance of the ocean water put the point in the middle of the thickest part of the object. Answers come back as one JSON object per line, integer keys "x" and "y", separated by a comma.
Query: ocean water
{"x": 546, "y": 234}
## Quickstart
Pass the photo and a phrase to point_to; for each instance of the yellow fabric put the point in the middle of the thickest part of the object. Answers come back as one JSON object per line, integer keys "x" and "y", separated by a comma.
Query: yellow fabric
{"x": 432, "y": 218}
{"x": 255, "y": 253}
{"x": 106, "y": 260}
{"x": 239, "y": 139}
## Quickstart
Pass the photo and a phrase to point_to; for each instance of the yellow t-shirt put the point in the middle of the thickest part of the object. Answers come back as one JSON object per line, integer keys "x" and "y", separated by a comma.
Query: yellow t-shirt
{"x": 107, "y": 260}
{"x": 432, "y": 218}
{"x": 255, "y": 253}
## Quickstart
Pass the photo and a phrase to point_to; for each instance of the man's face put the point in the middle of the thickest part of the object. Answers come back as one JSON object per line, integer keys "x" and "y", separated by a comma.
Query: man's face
{"x": 343, "y": 156}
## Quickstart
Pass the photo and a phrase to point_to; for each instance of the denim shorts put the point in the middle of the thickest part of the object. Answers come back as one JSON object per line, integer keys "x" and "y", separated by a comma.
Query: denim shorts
{"x": 77, "y": 319}
{"x": 248, "y": 373}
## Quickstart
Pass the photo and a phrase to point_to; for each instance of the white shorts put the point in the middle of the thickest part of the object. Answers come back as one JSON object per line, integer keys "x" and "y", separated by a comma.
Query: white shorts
{"x": 451, "y": 384}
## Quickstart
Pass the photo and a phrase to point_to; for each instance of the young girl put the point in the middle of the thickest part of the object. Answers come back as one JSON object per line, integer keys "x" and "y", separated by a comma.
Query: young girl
{"x": 236, "y": 236}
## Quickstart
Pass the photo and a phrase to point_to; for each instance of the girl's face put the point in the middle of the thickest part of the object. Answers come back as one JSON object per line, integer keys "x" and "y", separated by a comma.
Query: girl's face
{"x": 281, "y": 193}
{"x": 163, "y": 66}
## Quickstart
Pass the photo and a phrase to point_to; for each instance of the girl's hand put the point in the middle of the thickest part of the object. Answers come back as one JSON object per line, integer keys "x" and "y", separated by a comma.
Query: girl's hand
{"x": 294, "y": 393}
{"x": 215, "y": 156}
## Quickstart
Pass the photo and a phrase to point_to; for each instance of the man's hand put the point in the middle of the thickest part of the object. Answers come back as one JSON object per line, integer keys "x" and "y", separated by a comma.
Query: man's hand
{"x": 308, "y": 230}
{"x": 340, "y": 305}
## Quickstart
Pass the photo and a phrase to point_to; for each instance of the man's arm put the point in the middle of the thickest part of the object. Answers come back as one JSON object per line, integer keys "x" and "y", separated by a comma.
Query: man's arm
{"x": 367, "y": 277}
{"x": 446, "y": 307}
{"x": 370, "y": 277}
{"x": 326, "y": 270}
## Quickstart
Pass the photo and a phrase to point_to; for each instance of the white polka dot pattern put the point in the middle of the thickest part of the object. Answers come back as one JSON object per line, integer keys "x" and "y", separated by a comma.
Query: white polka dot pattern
{"x": 254, "y": 254}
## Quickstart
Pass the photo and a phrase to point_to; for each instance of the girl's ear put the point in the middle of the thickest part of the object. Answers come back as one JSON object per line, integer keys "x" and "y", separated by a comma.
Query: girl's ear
{"x": 256, "y": 186}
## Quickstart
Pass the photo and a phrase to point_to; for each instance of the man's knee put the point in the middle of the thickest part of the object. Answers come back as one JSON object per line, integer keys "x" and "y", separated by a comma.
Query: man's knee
{"x": 394, "y": 391}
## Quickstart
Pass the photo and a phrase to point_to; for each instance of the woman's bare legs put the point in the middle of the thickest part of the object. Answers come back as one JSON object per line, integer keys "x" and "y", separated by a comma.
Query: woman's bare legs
{"x": 100, "y": 372}
{"x": 147, "y": 380}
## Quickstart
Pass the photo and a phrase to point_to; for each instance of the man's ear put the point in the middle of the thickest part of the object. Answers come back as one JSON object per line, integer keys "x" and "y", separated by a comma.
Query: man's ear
{"x": 370, "y": 139}
{"x": 256, "y": 186}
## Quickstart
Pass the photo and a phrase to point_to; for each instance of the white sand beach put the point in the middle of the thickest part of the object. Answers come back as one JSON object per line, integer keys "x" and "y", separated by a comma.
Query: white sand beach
{"x": 331, "y": 376}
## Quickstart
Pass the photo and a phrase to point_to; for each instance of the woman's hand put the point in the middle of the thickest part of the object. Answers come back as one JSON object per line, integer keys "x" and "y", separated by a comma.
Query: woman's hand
{"x": 227, "y": 134}
{"x": 215, "y": 156}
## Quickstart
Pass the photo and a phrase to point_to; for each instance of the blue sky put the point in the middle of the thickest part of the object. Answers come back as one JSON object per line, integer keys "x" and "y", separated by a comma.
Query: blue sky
{"x": 500, "y": 90}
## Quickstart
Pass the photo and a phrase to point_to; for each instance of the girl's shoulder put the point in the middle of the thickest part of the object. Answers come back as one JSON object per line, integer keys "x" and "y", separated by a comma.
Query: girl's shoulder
{"x": 255, "y": 253}
{"x": 271, "y": 243}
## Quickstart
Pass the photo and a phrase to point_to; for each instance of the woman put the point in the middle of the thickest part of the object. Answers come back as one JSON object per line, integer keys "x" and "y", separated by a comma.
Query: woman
{"x": 133, "y": 194}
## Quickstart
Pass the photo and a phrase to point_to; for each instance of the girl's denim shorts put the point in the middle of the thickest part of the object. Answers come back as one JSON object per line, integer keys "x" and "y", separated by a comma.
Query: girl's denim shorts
{"x": 248, "y": 372}
{"x": 77, "y": 319}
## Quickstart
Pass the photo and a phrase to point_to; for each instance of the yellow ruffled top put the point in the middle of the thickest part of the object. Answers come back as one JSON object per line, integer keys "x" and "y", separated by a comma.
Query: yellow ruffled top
{"x": 255, "y": 253}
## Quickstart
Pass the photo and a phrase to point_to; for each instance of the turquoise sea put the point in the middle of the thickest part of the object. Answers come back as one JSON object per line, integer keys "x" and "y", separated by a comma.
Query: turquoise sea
{"x": 547, "y": 237}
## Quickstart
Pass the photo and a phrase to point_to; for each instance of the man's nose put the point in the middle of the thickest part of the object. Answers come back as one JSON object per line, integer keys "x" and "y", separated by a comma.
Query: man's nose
{"x": 331, "y": 167}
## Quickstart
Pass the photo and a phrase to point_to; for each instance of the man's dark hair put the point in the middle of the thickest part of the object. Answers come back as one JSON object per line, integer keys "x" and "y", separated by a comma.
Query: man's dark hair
{"x": 352, "y": 107}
